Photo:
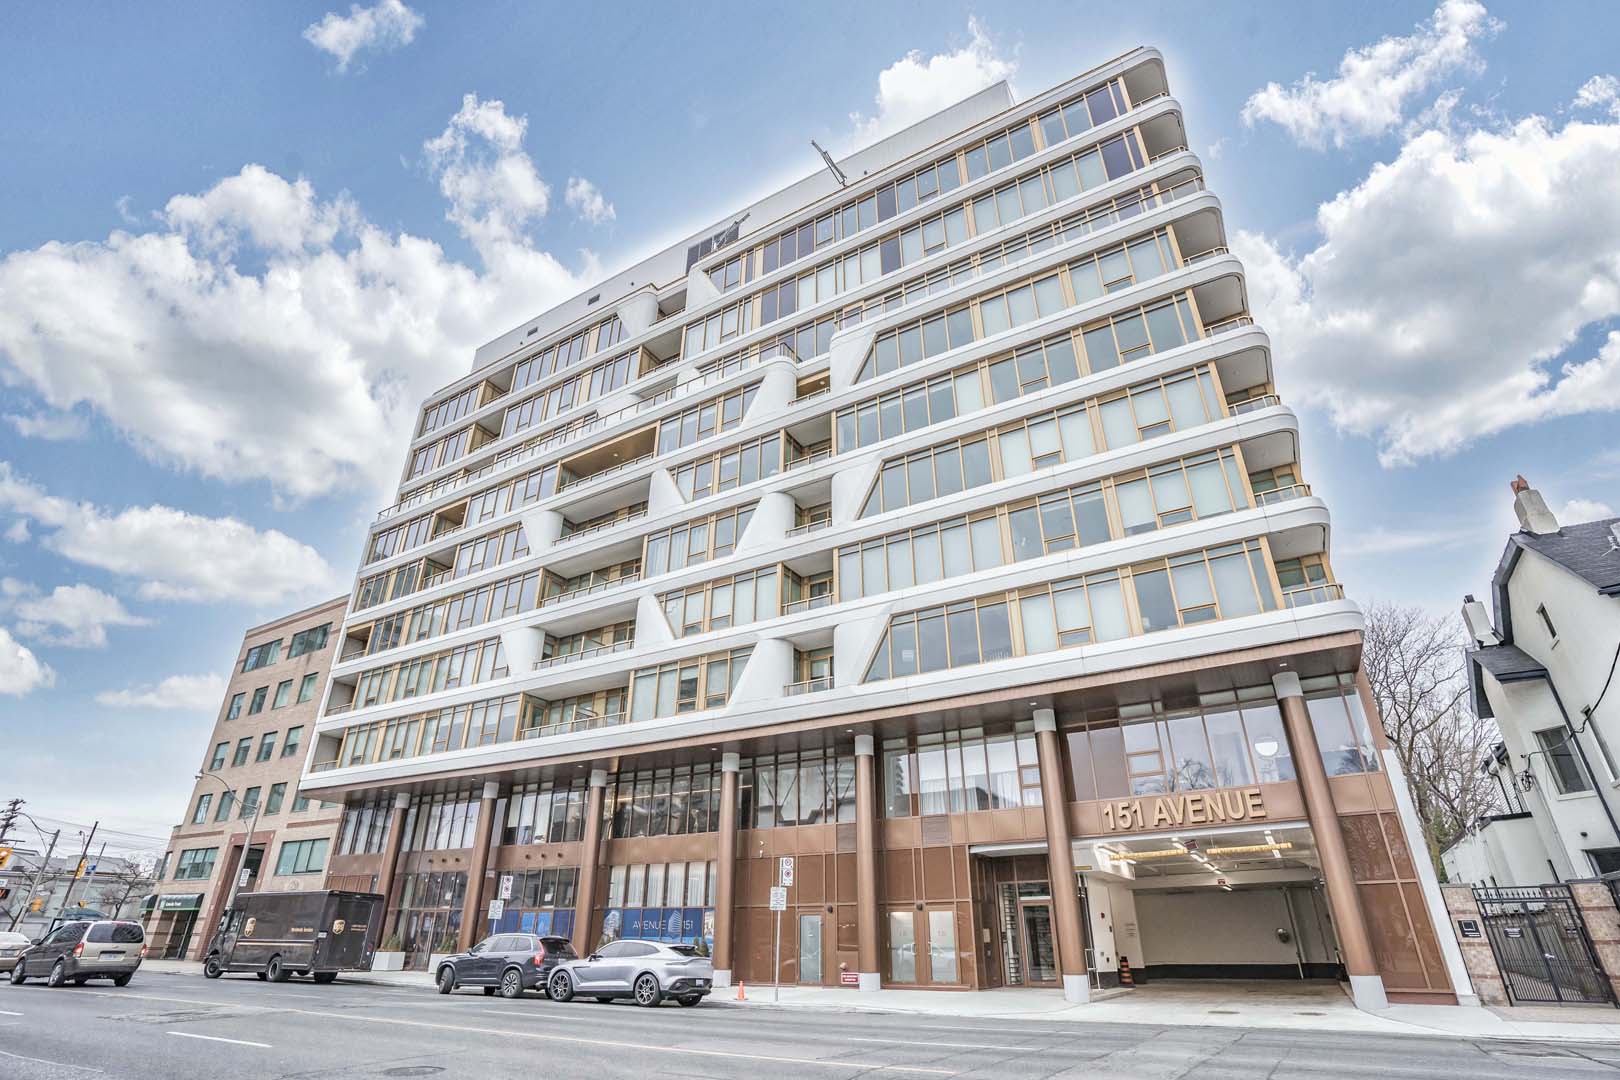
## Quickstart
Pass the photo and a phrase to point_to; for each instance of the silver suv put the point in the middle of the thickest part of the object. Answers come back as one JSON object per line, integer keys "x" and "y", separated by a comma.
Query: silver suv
{"x": 84, "y": 949}
{"x": 647, "y": 971}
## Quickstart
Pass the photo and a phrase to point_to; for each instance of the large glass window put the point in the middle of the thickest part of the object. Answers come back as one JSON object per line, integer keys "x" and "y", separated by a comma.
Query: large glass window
{"x": 1234, "y": 741}
{"x": 703, "y": 682}
{"x": 1222, "y": 582}
{"x": 961, "y": 771}
{"x": 717, "y": 605}
{"x": 1342, "y": 732}
{"x": 195, "y": 864}
{"x": 675, "y": 801}
{"x": 696, "y": 541}
{"x": 302, "y": 857}
{"x": 803, "y": 787}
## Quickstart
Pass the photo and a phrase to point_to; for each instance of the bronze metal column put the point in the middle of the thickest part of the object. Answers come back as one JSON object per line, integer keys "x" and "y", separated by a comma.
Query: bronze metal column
{"x": 1060, "y": 862}
{"x": 868, "y": 972}
{"x": 472, "y": 907}
{"x": 725, "y": 869}
{"x": 1366, "y": 985}
{"x": 393, "y": 844}
{"x": 590, "y": 853}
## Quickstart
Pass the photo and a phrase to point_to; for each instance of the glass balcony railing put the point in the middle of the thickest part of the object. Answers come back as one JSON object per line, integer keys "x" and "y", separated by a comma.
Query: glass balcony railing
{"x": 808, "y": 686}
{"x": 1282, "y": 494}
{"x": 1306, "y": 595}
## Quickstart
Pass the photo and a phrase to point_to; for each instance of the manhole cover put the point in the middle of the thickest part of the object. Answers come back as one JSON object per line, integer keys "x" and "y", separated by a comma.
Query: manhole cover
{"x": 414, "y": 1070}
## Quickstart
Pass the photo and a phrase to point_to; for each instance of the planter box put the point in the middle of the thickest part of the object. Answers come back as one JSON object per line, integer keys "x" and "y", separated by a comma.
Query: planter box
{"x": 388, "y": 961}
{"x": 434, "y": 958}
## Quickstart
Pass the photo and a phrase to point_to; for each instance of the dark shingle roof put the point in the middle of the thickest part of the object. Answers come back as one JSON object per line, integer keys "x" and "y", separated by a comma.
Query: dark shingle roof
{"x": 1587, "y": 550}
{"x": 1507, "y": 663}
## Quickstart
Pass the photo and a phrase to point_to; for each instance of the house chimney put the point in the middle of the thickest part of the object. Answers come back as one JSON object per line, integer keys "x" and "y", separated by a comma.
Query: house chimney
{"x": 1478, "y": 622}
{"x": 1534, "y": 517}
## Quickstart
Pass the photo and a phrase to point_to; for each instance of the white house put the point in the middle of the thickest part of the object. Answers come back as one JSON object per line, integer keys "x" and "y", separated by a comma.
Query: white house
{"x": 1543, "y": 666}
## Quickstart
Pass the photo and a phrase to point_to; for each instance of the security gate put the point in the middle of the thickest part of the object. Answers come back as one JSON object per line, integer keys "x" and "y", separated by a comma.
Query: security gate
{"x": 1541, "y": 946}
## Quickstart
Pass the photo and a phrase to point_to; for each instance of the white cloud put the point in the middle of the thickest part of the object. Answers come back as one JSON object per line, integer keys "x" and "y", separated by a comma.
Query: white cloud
{"x": 492, "y": 185}
{"x": 52, "y": 427}
{"x": 586, "y": 200}
{"x": 389, "y": 25}
{"x": 1576, "y": 511}
{"x": 913, "y": 88}
{"x": 1449, "y": 283}
{"x": 196, "y": 693}
{"x": 21, "y": 672}
{"x": 73, "y": 615}
{"x": 173, "y": 554}
{"x": 1599, "y": 92}
{"x": 1375, "y": 84}
{"x": 260, "y": 331}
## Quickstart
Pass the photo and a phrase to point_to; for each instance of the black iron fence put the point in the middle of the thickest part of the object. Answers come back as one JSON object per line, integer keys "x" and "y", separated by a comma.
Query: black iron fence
{"x": 1542, "y": 947}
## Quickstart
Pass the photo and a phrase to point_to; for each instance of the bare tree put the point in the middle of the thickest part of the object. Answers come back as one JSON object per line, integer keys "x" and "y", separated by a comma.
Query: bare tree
{"x": 130, "y": 878}
{"x": 1414, "y": 662}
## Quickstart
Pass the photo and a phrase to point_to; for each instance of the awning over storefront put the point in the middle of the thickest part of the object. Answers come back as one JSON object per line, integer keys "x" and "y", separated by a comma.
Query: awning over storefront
{"x": 180, "y": 902}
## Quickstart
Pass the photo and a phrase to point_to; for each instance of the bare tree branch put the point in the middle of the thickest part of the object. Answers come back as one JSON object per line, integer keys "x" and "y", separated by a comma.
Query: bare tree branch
{"x": 1414, "y": 663}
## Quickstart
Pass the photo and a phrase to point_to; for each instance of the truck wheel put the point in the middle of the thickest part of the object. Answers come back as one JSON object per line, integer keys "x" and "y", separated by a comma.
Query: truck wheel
{"x": 212, "y": 968}
{"x": 324, "y": 977}
{"x": 447, "y": 979}
{"x": 262, "y": 976}
{"x": 275, "y": 971}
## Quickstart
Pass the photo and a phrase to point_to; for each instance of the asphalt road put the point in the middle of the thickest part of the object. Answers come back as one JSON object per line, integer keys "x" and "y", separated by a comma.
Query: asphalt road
{"x": 181, "y": 1026}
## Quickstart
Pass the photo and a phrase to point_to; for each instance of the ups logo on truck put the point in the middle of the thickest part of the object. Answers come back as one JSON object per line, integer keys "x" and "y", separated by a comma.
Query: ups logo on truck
{"x": 338, "y": 926}
{"x": 247, "y": 930}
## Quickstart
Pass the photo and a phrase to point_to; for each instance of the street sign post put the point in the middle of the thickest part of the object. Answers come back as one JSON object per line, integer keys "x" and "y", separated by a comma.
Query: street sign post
{"x": 506, "y": 886}
{"x": 497, "y": 908}
{"x": 784, "y": 878}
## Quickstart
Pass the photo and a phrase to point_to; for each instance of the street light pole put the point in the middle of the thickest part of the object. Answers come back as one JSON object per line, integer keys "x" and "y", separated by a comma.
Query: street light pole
{"x": 67, "y": 893}
{"x": 247, "y": 841}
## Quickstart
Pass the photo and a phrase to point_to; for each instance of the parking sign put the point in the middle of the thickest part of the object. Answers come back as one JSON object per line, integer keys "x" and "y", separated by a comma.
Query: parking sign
{"x": 778, "y": 898}
{"x": 787, "y": 869}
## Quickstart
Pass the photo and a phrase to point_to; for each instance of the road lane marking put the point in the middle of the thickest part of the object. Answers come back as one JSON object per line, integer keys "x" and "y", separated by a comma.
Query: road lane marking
{"x": 954, "y": 1046}
{"x": 335, "y": 1015}
{"x": 58, "y": 1064}
{"x": 6, "y": 1012}
{"x": 989, "y": 1030}
{"x": 619, "y": 1045}
{"x": 217, "y": 1038}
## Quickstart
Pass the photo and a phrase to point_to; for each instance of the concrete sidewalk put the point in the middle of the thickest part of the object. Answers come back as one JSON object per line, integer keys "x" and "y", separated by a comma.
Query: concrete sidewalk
{"x": 1261, "y": 1004}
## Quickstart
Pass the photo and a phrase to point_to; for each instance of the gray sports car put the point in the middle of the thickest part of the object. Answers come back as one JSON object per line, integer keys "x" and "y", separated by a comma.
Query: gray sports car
{"x": 647, "y": 971}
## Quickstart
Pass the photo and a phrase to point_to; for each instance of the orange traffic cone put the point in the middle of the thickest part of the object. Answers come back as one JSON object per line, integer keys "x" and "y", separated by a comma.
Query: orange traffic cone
{"x": 742, "y": 994}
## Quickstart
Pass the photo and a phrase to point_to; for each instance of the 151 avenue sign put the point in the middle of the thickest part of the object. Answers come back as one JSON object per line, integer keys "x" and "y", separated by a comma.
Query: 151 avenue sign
{"x": 1186, "y": 808}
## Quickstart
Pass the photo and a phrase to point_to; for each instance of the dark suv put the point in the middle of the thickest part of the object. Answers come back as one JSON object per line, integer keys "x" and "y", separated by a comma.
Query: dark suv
{"x": 507, "y": 964}
{"x": 86, "y": 949}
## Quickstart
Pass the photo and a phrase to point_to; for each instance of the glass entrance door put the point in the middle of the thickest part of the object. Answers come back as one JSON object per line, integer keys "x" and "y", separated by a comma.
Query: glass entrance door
{"x": 1039, "y": 941}
{"x": 810, "y": 949}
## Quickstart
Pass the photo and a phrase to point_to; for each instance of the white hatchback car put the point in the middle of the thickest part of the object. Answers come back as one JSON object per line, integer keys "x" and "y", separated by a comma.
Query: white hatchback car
{"x": 647, "y": 971}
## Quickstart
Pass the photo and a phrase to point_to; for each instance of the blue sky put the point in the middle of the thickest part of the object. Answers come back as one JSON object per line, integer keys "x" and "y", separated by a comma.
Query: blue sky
{"x": 238, "y": 245}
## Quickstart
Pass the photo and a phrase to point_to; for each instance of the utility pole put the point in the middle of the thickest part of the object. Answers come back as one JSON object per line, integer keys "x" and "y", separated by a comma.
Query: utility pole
{"x": 8, "y": 817}
{"x": 67, "y": 894}
{"x": 33, "y": 886}
{"x": 91, "y": 879}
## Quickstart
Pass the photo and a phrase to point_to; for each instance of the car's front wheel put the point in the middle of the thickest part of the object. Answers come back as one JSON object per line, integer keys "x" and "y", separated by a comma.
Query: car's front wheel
{"x": 18, "y": 975}
{"x": 647, "y": 991}
{"x": 561, "y": 987}
{"x": 58, "y": 975}
{"x": 447, "y": 979}
{"x": 212, "y": 967}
